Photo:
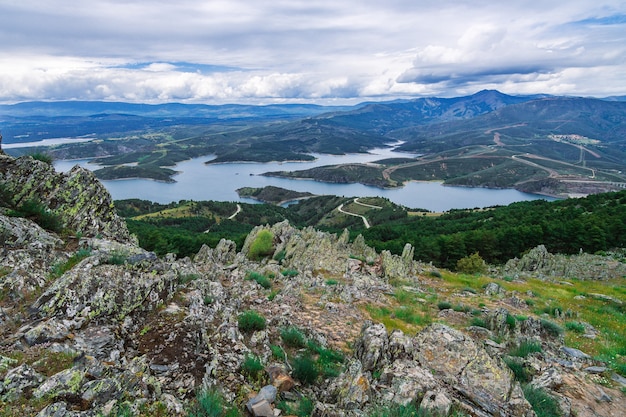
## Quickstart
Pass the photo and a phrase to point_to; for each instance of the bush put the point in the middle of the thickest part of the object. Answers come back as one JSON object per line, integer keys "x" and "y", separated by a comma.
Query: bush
{"x": 519, "y": 371}
{"x": 210, "y": 403}
{"x": 250, "y": 321}
{"x": 289, "y": 273}
{"x": 510, "y": 321}
{"x": 43, "y": 157}
{"x": 40, "y": 214}
{"x": 472, "y": 264}
{"x": 551, "y": 328}
{"x": 277, "y": 352}
{"x": 443, "y": 305}
{"x": 304, "y": 369}
{"x": 293, "y": 337}
{"x": 59, "y": 269}
{"x": 543, "y": 404}
{"x": 575, "y": 327}
{"x": 260, "y": 279}
{"x": 262, "y": 246}
{"x": 477, "y": 321}
{"x": 526, "y": 348}
{"x": 251, "y": 366}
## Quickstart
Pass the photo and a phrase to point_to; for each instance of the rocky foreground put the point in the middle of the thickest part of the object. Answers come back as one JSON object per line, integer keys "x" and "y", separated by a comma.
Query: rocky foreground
{"x": 91, "y": 324}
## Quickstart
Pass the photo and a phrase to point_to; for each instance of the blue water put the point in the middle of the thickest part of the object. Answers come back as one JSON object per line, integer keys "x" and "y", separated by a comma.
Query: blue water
{"x": 198, "y": 181}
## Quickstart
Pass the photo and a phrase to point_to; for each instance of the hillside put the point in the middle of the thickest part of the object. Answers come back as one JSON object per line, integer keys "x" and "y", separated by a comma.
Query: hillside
{"x": 296, "y": 320}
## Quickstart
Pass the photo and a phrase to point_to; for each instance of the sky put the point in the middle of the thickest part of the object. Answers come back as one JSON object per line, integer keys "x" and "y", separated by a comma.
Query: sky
{"x": 307, "y": 51}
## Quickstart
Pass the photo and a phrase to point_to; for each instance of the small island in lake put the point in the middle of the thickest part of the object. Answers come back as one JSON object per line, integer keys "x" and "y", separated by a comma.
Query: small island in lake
{"x": 272, "y": 195}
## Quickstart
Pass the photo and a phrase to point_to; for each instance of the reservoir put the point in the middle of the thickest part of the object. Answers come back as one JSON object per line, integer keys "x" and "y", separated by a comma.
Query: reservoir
{"x": 199, "y": 181}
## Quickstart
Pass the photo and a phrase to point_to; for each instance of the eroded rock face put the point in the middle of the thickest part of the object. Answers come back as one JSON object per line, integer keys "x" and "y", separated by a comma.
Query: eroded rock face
{"x": 77, "y": 198}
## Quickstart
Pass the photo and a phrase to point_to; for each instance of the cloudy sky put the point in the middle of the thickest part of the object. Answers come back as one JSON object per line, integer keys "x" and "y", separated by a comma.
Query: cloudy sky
{"x": 324, "y": 51}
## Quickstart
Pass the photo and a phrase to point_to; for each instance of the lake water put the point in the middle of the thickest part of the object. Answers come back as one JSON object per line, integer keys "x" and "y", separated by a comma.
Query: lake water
{"x": 198, "y": 181}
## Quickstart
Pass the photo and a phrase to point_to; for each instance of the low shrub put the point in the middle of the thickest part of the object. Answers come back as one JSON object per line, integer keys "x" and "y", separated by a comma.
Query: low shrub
{"x": 250, "y": 321}
{"x": 252, "y": 366}
{"x": 304, "y": 369}
{"x": 477, "y": 321}
{"x": 303, "y": 408}
{"x": 551, "y": 328}
{"x": 543, "y": 404}
{"x": 60, "y": 268}
{"x": 443, "y": 305}
{"x": 526, "y": 348}
{"x": 473, "y": 264}
{"x": 262, "y": 246}
{"x": 210, "y": 403}
{"x": 277, "y": 352}
{"x": 289, "y": 273}
{"x": 519, "y": 371}
{"x": 575, "y": 327}
{"x": 260, "y": 279}
{"x": 36, "y": 211}
{"x": 293, "y": 337}
{"x": 42, "y": 156}
{"x": 510, "y": 321}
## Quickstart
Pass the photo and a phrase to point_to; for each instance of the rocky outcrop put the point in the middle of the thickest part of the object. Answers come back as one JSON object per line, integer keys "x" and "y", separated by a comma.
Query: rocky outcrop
{"x": 80, "y": 201}
{"x": 540, "y": 263}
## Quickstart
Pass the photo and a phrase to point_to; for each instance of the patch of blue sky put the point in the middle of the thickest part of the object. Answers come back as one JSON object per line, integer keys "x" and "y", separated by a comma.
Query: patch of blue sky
{"x": 182, "y": 67}
{"x": 616, "y": 19}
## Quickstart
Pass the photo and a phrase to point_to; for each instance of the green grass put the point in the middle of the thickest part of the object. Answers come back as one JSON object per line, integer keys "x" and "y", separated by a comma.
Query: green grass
{"x": 43, "y": 157}
{"x": 575, "y": 327}
{"x": 526, "y": 348}
{"x": 444, "y": 305}
{"x": 519, "y": 371}
{"x": 289, "y": 272}
{"x": 262, "y": 246}
{"x": 293, "y": 337}
{"x": 252, "y": 366}
{"x": 477, "y": 321}
{"x": 303, "y": 408}
{"x": 304, "y": 369}
{"x": 60, "y": 268}
{"x": 543, "y": 404}
{"x": 277, "y": 352}
{"x": 210, "y": 403}
{"x": 260, "y": 279}
{"x": 551, "y": 328}
{"x": 250, "y": 321}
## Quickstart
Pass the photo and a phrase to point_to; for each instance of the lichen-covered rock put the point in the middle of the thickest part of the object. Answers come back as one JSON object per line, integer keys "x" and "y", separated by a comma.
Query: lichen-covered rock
{"x": 405, "y": 382}
{"x": 351, "y": 390}
{"x": 65, "y": 383}
{"x": 17, "y": 232}
{"x": 403, "y": 266}
{"x": 77, "y": 198}
{"x": 371, "y": 347}
{"x": 540, "y": 263}
{"x": 47, "y": 331}
{"x": 18, "y": 380}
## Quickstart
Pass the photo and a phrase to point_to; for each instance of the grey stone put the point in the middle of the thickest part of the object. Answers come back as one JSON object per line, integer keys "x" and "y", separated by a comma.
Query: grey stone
{"x": 595, "y": 369}
{"x": 551, "y": 378}
{"x": 437, "y": 402}
{"x": 17, "y": 380}
{"x": 48, "y": 331}
{"x": 574, "y": 353}
{"x": 66, "y": 382}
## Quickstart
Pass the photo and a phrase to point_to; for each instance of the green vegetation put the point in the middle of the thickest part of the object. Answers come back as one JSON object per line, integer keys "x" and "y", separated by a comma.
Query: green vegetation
{"x": 519, "y": 371}
{"x": 293, "y": 337}
{"x": 262, "y": 246}
{"x": 250, "y": 321}
{"x": 36, "y": 211}
{"x": 304, "y": 369}
{"x": 252, "y": 366}
{"x": 302, "y": 408}
{"x": 543, "y": 404}
{"x": 526, "y": 348}
{"x": 472, "y": 264}
{"x": 43, "y": 157}
{"x": 260, "y": 279}
{"x": 60, "y": 268}
{"x": 551, "y": 328}
{"x": 575, "y": 327}
{"x": 210, "y": 403}
{"x": 271, "y": 194}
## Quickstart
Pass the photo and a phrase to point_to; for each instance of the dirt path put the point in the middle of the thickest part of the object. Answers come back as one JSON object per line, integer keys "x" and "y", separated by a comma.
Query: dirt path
{"x": 236, "y": 213}
{"x": 365, "y": 222}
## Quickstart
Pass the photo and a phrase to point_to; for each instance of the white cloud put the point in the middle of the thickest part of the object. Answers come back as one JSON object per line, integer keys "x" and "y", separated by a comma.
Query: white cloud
{"x": 236, "y": 50}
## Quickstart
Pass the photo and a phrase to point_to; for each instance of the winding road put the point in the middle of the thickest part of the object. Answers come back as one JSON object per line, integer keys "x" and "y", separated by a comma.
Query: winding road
{"x": 356, "y": 201}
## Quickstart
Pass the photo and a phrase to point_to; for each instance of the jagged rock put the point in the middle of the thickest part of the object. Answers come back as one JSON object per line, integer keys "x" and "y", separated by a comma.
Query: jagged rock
{"x": 259, "y": 406}
{"x": 65, "y": 383}
{"x": 398, "y": 266}
{"x": 540, "y": 263}
{"x": 48, "y": 331}
{"x": 494, "y": 289}
{"x": 352, "y": 388}
{"x": 497, "y": 321}
{"x": 595, "y": 369}
{"x": 400, "y": 346}
{"x": 58, "y": 409}
{"x": 77, "y": 198}
{"x": 371, "y": 347}
{"x": 223, "y": 254}
{"x": 551, "y": 378}
{"x": 6, "y": 363}
{"x": 437, "y": 403}
{"x": 16, "y": 232}
{"x": 404, "y": 382}
{"x": 101, "y": 391}
{"x": 18, "y": 380}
